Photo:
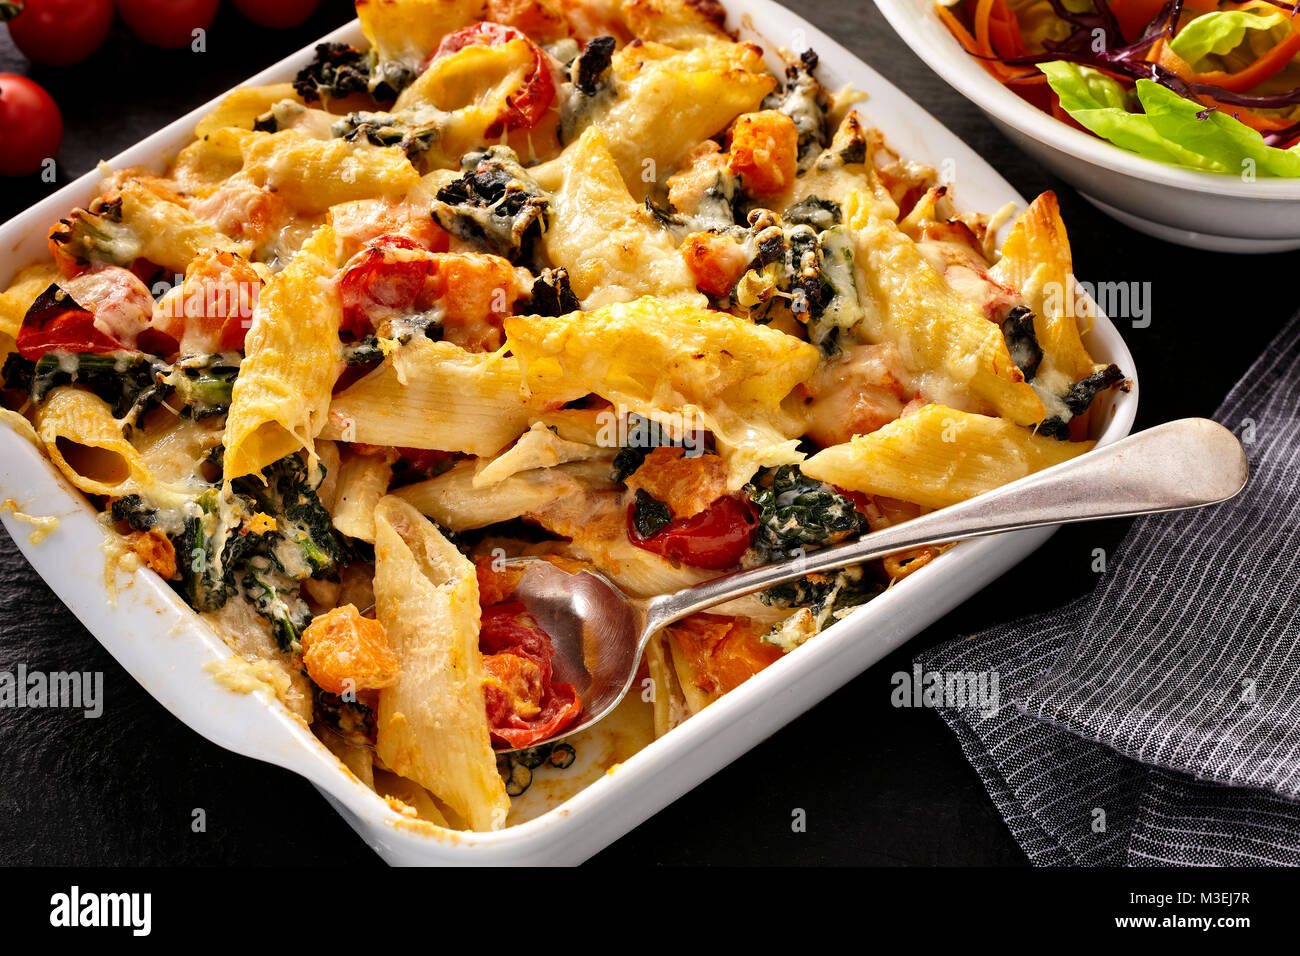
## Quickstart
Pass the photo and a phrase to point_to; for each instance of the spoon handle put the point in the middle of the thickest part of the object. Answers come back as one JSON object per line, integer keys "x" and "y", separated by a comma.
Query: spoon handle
{"x": 1182, "y": 464}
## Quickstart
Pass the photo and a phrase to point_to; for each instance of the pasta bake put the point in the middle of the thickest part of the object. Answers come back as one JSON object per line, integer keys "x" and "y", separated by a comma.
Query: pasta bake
{"x": 583, "y": 280}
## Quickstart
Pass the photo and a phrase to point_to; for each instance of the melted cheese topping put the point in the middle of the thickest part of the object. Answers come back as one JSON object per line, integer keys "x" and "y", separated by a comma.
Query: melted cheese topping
{"x": 42, "y": 526}
{"x": 248, "y": 676}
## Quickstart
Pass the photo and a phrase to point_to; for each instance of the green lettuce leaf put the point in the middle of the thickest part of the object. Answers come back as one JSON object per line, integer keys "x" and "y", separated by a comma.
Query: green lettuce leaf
{"x": 1099, "y": 104}
{"x": 1218, "y": 137}
{"x": 1219, "y": 33}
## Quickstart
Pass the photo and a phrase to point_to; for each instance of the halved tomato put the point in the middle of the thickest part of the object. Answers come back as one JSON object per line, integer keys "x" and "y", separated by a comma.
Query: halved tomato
{"x": 714, "y": 539}
{"x": 524, "y": 705}
{"x": 533, "y": 93}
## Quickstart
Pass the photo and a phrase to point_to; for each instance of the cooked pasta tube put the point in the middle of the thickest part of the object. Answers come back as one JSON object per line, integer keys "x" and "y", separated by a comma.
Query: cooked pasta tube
{"x": 938, "y": 457}
{"x": 432, "y": 724}
{"x": 362, "y": 481}
{"x": 280, "y": 399}
{"x": 436, "y": 395}
{"x": 87, "y": 443}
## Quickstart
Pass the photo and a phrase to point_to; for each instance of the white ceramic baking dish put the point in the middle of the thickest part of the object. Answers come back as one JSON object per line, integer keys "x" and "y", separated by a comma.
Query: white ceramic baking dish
{"x": 1203, "y": 210}
{"x": 163, "y": 645}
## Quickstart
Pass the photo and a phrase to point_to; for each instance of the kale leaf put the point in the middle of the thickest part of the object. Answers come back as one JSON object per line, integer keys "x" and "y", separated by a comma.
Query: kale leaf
{"x": 135, "y": 511}
{"x": 277, "y": 600}
{"x": 219, "y": 554}
{"x": 804, "y": 100}
{"x": 592, "y": 63}
{"x": 644, "y": 436}
{"x": 1078, "y": 398}
{"x": 93, "y": 234}
{"x": 494, "y": 202}
{"x": 824, "y": 594}
{"x": 304, "y": 543}
{"x": 1022, "y": 341}
{"x": 131, "y": 383}
{"x": 350, "y": 719}
{"x": 649, "y": 514}
{"x": 813, "y": 211}
{"x": 207, "y": 551}
{"x": 203, "y": 385}
{"x": 414, "y": 130}
{"x": 812, "y": 269}
{"x": 127, "y": 381}
{"x": 797, "y": 514}
{"x": 338, "y": 70}
{"x": 552, "y": 294}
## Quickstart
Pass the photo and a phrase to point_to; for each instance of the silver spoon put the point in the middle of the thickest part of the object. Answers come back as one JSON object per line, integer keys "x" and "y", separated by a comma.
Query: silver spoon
{"x": 599, "y": 632}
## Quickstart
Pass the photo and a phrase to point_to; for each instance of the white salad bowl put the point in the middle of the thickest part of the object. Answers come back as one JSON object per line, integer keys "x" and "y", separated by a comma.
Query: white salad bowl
{"x": 571, "y": 814}
{"x": 1215, "y": 211}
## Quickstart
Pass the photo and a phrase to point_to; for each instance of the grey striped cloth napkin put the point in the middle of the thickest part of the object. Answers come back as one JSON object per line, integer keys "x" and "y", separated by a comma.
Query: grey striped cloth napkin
{"x": 1156, "y": 721}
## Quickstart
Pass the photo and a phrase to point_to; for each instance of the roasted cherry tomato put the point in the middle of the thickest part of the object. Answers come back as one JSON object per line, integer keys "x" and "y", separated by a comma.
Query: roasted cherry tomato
{"x": 56, "y": 321}
{"x": 713, "y": 539}
{"x": 527, "y": 104}
{"x": 277, "y": 14}
{"x": 524, "y": 705}
{"x": 167, "y": 23}
{"x": 385, "y": 279}
{"x": 31, "y": 126}
{"x": 58, "y": 32}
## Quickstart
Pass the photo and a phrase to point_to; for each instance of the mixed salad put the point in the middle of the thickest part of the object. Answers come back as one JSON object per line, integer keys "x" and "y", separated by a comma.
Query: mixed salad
{"x": 1196, "y": 83}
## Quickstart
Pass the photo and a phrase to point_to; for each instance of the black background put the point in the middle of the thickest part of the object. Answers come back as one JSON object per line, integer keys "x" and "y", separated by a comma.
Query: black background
{"x": 880, "y": 785}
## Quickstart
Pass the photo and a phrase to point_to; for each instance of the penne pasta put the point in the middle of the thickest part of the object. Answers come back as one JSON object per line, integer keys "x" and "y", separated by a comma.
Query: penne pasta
{"x": 1036, "y": 260}
{"x": 659, "y": 358}
{"x": 313, "y": 174}
{"x": 18, "y": 298}
{"x": 432, "y": 724}
{"x": 958, "y": 355}
{"x": 436, "y": 395}
{"x": 539, "y": 447}
{"x": 452, "y": 500}
{"x": 87, "y": 443}
{"x": 404, "y": 32}
{"x": 606, "y": 240}
{"x": 362, "y": 481}
{"x": 684, "y": 96}
{"x": 670, "y": 707}
{"x": 241, "y": 107}
{"x": 939, "y": 456}
{"x": 410, "y": 796}
{"x": 357, "y": 758}
{"x": 280, "y": 399}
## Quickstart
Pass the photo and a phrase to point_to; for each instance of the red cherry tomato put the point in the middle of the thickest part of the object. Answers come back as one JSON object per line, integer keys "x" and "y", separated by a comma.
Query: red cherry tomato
{"x": 713, "y": 539}
{"x": 386, "y": 278}
{"x": 167, "y": 23}
{"x": 484, "y": 33}
{"x": 517, "y": 661}
{"x": 31, "y": 126}
{"x": 58, "y": 32}
{"x": 527, "y": 105}
{"x": 56, "y": 321}
{"x": 277, "y": 14}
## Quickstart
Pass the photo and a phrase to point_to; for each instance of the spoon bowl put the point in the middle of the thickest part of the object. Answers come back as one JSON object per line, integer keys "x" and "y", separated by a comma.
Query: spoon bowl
{"x": 595, "y": 628}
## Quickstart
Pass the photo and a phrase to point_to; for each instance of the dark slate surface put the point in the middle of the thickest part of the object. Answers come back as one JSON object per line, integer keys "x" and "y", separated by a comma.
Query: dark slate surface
{"x": 879, "y": 785}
